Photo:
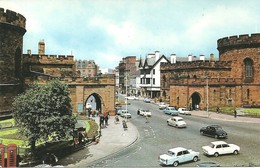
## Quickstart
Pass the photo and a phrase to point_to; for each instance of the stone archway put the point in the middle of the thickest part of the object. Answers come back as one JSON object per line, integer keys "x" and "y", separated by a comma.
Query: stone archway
{"x": 95, "y": 101}
{"x": 195, "y": 100}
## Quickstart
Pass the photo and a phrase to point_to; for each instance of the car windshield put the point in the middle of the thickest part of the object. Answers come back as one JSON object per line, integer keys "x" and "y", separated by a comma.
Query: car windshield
{"x": 170, "y": 153}
{"x": 180, "y": 119}
{"x": 171, "y": 108}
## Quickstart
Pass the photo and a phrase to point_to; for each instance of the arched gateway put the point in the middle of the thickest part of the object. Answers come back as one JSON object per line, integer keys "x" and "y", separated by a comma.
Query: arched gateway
{"x": 195, "y": 100}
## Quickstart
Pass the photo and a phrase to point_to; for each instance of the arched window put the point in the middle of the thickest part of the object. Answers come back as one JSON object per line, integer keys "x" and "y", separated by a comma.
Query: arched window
{"x": 248, "y": 68}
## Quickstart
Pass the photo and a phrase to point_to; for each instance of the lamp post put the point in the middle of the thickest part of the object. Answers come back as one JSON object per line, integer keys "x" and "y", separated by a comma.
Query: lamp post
{"x": 126, "y": 94}
{"x": 207, "y": 83}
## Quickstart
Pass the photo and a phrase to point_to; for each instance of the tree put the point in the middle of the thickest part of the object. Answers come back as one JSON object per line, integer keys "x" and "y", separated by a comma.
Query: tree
{"x": 44, "y": 112}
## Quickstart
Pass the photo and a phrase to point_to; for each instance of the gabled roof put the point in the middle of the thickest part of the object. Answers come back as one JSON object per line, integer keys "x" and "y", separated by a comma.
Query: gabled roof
{"x": 150, "y": 63}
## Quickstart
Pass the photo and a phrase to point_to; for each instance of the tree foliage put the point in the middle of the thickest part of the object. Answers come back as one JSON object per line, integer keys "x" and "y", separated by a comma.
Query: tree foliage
{"x": 44, "y": 112}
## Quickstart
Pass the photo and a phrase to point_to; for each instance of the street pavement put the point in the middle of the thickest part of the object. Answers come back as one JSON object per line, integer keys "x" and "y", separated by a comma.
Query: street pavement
{"x": 114, "y": 138}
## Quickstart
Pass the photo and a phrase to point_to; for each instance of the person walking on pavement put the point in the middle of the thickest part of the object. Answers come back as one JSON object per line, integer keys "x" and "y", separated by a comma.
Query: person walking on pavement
{"x": 235, "y": 113}
{"x": 217, "y": 109}
{"x": 146, "y": 119}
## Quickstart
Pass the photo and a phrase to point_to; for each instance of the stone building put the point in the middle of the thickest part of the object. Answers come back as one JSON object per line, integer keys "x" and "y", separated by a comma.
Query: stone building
{"x": 17, "y": 70}
{"x": 87, "y": 68}
{"x": 127, "y": 75}
{"x": 12, "y": 29}
{"x": 233, "y": 80}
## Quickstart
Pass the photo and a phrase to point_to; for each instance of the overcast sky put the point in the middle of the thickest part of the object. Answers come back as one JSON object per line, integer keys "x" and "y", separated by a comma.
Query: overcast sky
{"x": 108, "y": 30}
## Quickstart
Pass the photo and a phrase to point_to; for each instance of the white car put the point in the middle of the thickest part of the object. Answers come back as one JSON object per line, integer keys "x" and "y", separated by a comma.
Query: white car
{"x": 131, "y": 98}
{"x": 220, "y": 148}
{"x": 178, "y": 155}
{"x": 184, "y": 111}
{"x": 125, "y": 114}
{"x": 162, "y": 106}
{"x": 119, "y": 112}
{"x": 177, "y": 122}
{"x": 145, "y": 113}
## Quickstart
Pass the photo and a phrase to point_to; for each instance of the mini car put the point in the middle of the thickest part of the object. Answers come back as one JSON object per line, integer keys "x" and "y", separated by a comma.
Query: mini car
{"x": 145, "y": 113}
{"x": 177, "y": 122}
{"x": 131, "y": 98}
{"x": 119, "y": 112}
{"x": 147, "y": 100}
{"x": 184, "y": 111}
{"x": 214, "y": 131}
{"x": 162, "y": 106}
{"x": 171, "y": 111}
{"x": 125, "y": 114}
{"x": 178, "y": 155}
{"x": 220, "y": 148}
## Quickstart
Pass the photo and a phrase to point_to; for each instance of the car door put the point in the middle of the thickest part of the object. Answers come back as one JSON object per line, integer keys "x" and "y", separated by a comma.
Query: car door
{"x": 180, "y": 157}
{"x": 219, "y": 149}
{"x": 226, "y": 149}
{"x": 187, "y": 156}
{"x": 207, "y": 130}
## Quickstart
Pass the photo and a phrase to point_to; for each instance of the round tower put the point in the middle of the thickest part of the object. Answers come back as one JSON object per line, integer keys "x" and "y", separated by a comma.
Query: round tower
{"x": 12, "y": 29}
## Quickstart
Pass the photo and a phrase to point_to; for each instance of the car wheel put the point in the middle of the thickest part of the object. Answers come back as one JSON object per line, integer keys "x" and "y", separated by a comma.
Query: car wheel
{"x": 216, "y": 154}
{"x": 195, "y": 159}
{"x": 235, "y": 152}
{"x": 168, "y": 123}
{"x": 216, "y": 136}
{"x": 175, "y": 164}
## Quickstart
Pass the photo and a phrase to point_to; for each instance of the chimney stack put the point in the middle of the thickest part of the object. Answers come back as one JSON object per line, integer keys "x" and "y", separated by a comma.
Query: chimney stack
{"x": 173, "y": 58}
{"x": 41, "y": 47}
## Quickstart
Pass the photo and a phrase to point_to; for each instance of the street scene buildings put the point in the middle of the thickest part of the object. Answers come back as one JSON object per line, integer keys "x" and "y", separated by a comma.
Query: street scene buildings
{"x": 194, "y": 82}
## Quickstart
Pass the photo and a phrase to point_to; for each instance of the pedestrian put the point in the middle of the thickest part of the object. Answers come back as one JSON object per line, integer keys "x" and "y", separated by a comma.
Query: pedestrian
{"x": 106, "y": 117}
{"x": 101, "y": 121}
{"x": 146, "y": 119}
{"x": 217, "y": 109}
{"x": 235, "y": 113}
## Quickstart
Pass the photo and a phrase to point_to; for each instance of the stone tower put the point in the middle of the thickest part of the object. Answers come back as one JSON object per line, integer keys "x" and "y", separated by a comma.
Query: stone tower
{"x": 12, "y": 29}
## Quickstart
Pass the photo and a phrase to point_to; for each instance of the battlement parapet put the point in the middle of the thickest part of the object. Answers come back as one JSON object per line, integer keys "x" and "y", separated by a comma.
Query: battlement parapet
{"x": 12, "y": 18}
{"x": 241, "y": 41}
{"x": 199, "y": 64}
{"x": 48, "y": 58}
{"x": 201, "y": 80}
{"x": 97, "y": 80}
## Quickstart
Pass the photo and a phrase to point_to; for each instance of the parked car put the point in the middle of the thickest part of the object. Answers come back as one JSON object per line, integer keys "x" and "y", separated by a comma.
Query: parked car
{"x": 131, "y": 98}
{"x": 178, "y": 155}
{"x": 145, "y": 113}
{"x": 125, "y": 114}
{"x": 171, "y": 111}
{"x": 214, "y": 131}
{"x": 162, "y": 106}
{"x": 184, "y": 111}
{"x": 120, "y": 111}
{"x": 219, "y": 148}
{"x": 147, "y": 100}
{"x": 177, "y": 122}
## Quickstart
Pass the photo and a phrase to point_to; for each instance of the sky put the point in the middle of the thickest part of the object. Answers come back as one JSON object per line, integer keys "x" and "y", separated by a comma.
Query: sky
{"x": 108, "y": 30}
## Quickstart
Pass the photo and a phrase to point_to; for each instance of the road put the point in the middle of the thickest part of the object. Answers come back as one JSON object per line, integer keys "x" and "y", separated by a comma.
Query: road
{"x": 156, "y": 137}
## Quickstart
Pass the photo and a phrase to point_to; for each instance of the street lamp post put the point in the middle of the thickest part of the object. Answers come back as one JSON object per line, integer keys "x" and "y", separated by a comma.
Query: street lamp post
{"x": 126, "y": 96}
{"x": 207, "y": 81}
